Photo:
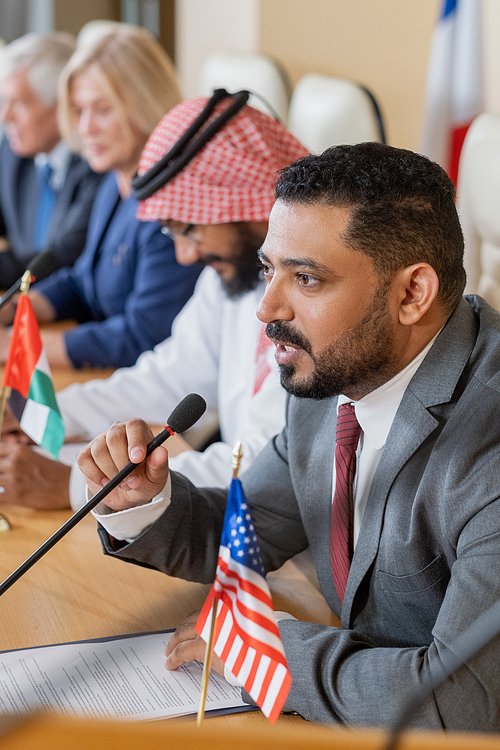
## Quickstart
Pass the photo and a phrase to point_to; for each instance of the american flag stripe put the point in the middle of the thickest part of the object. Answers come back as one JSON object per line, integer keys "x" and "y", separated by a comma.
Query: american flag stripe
{"x": 247, "y": 637}
{"x": 277, "y": 692}
{"x": 233, "y": 654}
{"x": 226, "y": 633}
{"x": 264, "y": 684}
{"x": 252, "y": 609}
{"x": 245, "y": 573}
{"x": 251, "y": 601}
{"x": 262, "y": 670}
{"x": 240, "y": 658}
{"x": 252, "y": 596}
{"x": 246, "y": 668}
{"x": 254, "y": 632}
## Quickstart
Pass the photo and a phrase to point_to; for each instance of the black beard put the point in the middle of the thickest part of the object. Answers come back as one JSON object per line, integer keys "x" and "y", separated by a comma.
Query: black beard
{"x": 359, "y": 361}
{"x": 247, "y": 270}
{"x": 247, "y": 274}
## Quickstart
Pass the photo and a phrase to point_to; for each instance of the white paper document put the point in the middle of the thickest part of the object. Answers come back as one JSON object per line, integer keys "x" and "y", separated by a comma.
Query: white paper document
{"x": 118, "y": 678}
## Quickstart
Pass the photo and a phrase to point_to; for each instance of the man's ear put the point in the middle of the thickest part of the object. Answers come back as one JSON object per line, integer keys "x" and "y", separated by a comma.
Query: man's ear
{"x": 418, "y": 286}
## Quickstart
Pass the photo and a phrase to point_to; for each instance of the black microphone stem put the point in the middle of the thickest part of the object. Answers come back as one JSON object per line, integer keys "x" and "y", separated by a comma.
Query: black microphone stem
{"x": 81, "y": 512}
{"x": 10, "y": 293}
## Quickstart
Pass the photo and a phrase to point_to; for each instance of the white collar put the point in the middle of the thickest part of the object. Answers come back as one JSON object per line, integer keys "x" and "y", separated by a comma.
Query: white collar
{"x": 375, "y": 412}
{"x": 58, "y": 159}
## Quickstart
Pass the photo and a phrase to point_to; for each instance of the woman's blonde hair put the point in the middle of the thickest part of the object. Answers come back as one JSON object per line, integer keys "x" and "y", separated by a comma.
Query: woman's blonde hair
{"x": 135, "y": 70}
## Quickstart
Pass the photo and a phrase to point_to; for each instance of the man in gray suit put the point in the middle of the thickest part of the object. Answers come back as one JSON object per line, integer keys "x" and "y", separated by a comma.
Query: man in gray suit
{"x": 363, "y": 260}
{"x": 46, "y": 191}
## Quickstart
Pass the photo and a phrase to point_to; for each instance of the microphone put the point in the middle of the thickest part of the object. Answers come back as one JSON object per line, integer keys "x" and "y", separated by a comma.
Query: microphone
{"x": 40, "y": 266}
{"x": 185, "y": 415}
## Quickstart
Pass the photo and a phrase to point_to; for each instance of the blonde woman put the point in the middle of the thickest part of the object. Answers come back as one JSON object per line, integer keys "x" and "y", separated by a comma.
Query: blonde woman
{"x": 126, "y": 287}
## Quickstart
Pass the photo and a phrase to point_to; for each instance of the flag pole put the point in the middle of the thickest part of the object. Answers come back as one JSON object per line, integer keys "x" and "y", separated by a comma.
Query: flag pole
{"x": 4, "y": 524}
{"x": 25, "y": 284}
{"x": 235, "y": 465}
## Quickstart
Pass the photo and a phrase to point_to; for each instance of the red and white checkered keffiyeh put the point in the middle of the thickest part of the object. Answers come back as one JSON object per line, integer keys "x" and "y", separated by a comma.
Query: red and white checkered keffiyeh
{"x": 233, "y": 176}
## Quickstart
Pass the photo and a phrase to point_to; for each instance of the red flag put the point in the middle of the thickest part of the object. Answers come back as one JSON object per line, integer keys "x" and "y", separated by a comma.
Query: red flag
{"x": 247, "y": 638}
{"x": 454, "y": 94}
{"x": 27, "y": 373}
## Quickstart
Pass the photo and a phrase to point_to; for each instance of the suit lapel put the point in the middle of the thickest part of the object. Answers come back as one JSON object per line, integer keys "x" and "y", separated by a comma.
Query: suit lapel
{"x": 433, "y": 384}
{"x": 318, "y": 497}
{"x": 27, "y": 197}
{"x": 412, "y": 425}
{"x": 63, "y": 197}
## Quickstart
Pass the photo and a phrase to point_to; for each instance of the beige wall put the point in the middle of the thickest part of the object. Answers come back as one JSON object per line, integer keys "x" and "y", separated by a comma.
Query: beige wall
{"x": 491, "y": 25}
{"x": 383, "y": 44}
{"x": 205, "y": 26}
{"x": 71, "y": 16}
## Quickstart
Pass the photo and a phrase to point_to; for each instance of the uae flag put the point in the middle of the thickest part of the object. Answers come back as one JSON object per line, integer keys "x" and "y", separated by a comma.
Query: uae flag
{"x": 454, "y": 95}
{"x": 32, "y": 398}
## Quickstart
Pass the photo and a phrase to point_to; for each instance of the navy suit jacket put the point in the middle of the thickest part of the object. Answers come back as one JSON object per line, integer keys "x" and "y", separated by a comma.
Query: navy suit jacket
{"x": 19, "y": 198}
{"x": 125, "y": 289}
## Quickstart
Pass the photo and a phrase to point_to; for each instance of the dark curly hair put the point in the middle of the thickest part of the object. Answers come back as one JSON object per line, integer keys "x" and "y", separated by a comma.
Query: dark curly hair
{"x": 402, "y": 208}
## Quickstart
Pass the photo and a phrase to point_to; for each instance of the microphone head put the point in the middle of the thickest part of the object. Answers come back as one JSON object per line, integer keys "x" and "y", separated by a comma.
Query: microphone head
{"x": 42, "y": 264}
{"x": 187, "y": 413}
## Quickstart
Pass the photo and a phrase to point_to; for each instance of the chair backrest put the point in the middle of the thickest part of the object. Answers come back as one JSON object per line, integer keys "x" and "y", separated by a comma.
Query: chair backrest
{"x": 327, "y": 111}
{"x": 235, "y": 71}
{"x": 479, "y": 207}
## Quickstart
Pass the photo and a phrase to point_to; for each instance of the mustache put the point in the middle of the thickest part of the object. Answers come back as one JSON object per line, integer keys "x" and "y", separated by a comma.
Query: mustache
{"x": 206, "y": 260}
{"x": 285, "y": 333}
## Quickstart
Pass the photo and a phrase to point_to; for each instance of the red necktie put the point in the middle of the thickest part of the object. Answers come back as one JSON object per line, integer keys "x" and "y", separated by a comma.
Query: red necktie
{"x": 341, "y": 529}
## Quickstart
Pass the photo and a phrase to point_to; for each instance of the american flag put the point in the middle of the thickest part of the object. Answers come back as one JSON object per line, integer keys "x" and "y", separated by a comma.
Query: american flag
{"x": 247, "y": 638}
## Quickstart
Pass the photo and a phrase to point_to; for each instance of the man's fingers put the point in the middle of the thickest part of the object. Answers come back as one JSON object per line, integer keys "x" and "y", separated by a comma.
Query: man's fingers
{"x": 95, "y": 462}
{"x": 103, "y": 458}
{"x": 190, "y": 650}
{"x": 186, "y": 645}
{"x": 185, "y": 632}
{"x": 110, "y": 452}
{"x": 138, "y": 437}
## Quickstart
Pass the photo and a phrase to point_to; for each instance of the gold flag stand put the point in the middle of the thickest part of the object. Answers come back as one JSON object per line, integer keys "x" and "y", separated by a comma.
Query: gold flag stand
{"x": 25, "y": 285}
{"x": 235, "y": 465}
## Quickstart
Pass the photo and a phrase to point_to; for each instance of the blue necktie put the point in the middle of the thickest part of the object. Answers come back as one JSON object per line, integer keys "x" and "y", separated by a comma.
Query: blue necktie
{"x": 45, "y": 206}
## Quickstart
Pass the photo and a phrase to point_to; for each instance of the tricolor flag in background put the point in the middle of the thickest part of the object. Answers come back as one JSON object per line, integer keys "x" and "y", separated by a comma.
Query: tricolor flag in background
{"x": 454, "y": 95}
{"x": 247, "y": 638}
{"x": 27, "y": 373}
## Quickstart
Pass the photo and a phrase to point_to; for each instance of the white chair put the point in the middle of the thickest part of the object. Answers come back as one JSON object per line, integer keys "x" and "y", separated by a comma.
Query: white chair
{"x": 327, "y": 111}
{"x": 235, "y": 71}
{"x": 479, "y": 207}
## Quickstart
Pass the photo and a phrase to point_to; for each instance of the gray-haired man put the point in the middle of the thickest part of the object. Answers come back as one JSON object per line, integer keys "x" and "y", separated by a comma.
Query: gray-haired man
{"x": 46, "y": 192}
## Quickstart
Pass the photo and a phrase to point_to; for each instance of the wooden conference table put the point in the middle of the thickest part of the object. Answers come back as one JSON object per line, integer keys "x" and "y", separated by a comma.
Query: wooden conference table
{"x": 74, "y": 592}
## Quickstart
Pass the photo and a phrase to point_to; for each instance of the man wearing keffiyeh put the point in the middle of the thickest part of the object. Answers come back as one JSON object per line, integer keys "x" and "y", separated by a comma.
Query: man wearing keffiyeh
{"x": 216, "y": 209}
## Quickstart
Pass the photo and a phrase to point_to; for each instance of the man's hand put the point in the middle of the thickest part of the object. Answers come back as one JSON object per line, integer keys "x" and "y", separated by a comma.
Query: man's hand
{"x": 4, "y": 344}
{"x": 11, "y": 429}
{"x": 186, "y": 645}
{"x": 103, "y": 458}
{"x": 32, "y": 480}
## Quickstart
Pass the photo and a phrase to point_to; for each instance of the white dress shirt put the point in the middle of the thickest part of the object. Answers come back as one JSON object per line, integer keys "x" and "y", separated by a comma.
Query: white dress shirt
{"x": 58, "y": 159}
{"x": 375, "y": 414}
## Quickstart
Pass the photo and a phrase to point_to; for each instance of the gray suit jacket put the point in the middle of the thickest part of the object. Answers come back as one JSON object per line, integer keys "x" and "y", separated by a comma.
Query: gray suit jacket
{"x": 19, "y": 197}
{"x": 427, "y": 561}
